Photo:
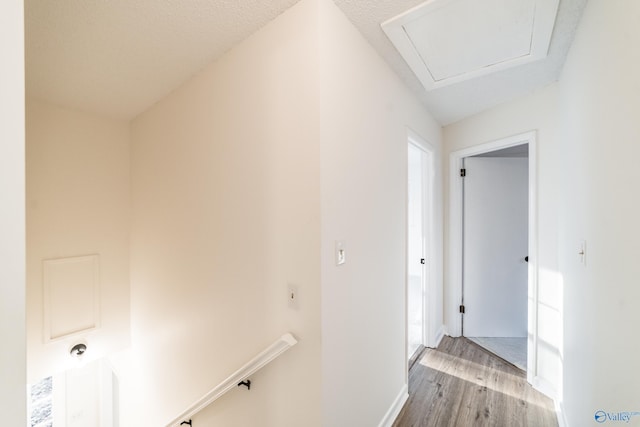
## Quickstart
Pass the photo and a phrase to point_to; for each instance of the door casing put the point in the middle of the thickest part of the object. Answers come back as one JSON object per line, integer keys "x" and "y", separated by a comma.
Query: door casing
{"x": 454, "y": 284}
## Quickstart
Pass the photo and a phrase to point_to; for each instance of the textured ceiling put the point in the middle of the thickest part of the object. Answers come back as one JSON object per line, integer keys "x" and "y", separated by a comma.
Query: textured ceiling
{"x": 118, "y": 57}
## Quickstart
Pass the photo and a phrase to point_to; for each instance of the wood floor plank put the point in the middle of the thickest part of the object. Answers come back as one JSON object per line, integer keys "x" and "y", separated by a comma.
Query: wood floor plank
{"x": 460, "y": 384}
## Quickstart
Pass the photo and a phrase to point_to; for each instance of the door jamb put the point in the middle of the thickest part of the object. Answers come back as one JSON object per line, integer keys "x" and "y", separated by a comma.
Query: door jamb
{"x": 432, "y": 329}
{"x": 454, "y": 320}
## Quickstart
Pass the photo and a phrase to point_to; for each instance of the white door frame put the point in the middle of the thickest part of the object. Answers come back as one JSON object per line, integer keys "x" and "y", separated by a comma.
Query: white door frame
{"x": 431, "y": 328}
{"x": 455, "y": 240}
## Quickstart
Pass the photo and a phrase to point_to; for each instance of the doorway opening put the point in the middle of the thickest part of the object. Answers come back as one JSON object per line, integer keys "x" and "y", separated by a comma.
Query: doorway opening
{"x": 416, "y": 252}
{"x": 421, "y": 295}
{"x": 495, "y": 245}
{"x": 493, "y": 284}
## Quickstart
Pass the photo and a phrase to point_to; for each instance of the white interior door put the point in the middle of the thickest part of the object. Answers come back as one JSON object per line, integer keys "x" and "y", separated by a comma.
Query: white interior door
{"x": 495, "y": 245}
{"x": 416, "y": 262}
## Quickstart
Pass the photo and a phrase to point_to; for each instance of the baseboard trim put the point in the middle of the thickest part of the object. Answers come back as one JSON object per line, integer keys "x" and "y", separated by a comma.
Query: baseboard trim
{"x": 448, "y": 332}
{"x": 439, "y": 335}
{"x": 562, "y": 419}
{"x": 545, "y": 387}
{"x": 396, "y": 407}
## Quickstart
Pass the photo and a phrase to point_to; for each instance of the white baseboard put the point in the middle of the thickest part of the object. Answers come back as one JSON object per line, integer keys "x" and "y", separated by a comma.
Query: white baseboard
{"x": 439, "y": 336}
{"x": 545, "y": 387}
{"x": 562, "y": 419}
{"x": 396, "y": 407}
{"x": 447, "y": 331}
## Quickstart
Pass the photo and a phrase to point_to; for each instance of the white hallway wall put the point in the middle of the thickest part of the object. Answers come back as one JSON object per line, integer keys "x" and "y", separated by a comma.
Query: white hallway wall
{"x": 587, "y": 134}
{"x": 599, "y": 109}
{"x": 12, "y": 222}
{"x": 226, "y": 214}
{"x": 78, "y": 203}
{"x": 242, "y": 180}
{"x": 365, "y": 112}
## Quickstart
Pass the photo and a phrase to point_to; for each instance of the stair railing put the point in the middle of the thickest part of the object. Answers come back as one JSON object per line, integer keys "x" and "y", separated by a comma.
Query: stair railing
{"x": 239, "y": 377}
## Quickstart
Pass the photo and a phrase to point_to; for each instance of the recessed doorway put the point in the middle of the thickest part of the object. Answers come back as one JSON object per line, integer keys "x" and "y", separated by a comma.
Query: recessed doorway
{"x": 495, "y": 252}
{"x": 457, "y": 313}
{"x": 423, "y": 322}
{"x": 416, "y": 250}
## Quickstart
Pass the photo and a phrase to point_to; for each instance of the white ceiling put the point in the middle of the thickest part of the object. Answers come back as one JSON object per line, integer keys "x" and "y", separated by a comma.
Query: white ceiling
{"x": 118, "y": 57}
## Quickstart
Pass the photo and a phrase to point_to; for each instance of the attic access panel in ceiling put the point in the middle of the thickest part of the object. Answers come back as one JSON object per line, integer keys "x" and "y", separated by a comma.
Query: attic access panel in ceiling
{"x": 448, "y": 41}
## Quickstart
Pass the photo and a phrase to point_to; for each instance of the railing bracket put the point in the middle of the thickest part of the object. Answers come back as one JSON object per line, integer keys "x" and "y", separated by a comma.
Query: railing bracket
{"x": 246, "y": 383}
{"x": 187, "y": 423}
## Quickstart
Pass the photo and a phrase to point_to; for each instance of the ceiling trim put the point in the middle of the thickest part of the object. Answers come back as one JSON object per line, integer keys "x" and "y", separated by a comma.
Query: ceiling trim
{"x": 396, "y": 30}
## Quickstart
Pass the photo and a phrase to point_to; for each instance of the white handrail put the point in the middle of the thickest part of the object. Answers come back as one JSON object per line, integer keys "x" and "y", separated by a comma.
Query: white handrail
{"x": 283, "y": 344}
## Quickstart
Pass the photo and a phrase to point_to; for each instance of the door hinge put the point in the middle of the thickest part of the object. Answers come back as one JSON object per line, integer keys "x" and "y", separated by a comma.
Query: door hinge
{"x": 462, "y": 309}
{"x": 422, "y": 261}
{"x": 463, "y": 172}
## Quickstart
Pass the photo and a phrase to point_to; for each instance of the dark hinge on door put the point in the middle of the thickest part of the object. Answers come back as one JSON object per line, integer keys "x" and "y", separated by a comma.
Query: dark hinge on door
{"x": 422, "y": 260}
{"x": 462, "y": 309}
{"x": 463, "y": 172}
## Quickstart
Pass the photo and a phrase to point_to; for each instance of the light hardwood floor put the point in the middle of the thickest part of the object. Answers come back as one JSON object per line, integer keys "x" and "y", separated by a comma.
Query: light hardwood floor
{"x": 461, "y": 384}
